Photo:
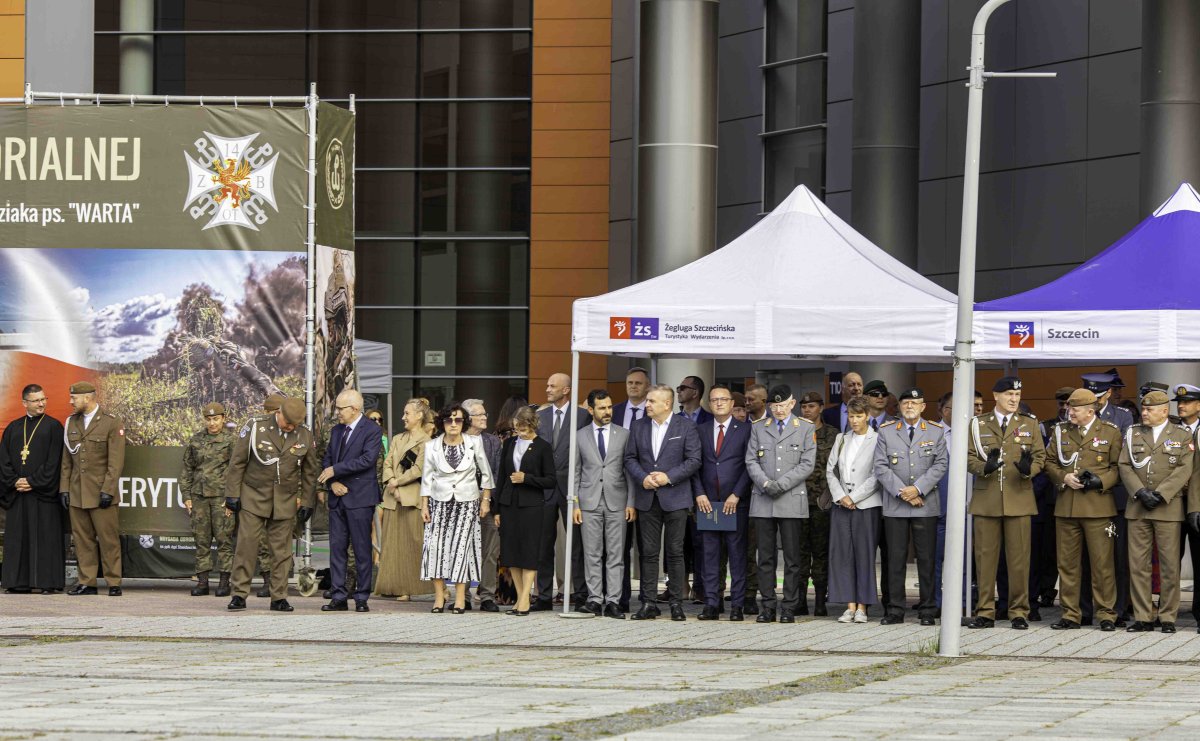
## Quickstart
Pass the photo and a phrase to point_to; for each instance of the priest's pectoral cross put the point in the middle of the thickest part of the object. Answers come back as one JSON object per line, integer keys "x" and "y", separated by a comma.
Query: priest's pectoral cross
{"x": 24, "y": 453}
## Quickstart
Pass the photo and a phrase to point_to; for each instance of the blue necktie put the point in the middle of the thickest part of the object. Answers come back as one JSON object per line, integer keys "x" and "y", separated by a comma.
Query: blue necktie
{"x": 600, "y": 443}
{"x": 780, "y": 423}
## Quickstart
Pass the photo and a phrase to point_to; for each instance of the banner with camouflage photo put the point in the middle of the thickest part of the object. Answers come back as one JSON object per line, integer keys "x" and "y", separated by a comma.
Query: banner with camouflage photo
{"x": 160, "y": 252}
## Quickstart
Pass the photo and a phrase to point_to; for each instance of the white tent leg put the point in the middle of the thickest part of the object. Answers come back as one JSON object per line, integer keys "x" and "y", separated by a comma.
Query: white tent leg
{"x": 572, "y": 416}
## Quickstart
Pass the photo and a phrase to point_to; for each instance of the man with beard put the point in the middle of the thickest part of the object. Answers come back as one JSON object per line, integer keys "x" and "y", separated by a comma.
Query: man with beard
{"x": 30, "y": 456}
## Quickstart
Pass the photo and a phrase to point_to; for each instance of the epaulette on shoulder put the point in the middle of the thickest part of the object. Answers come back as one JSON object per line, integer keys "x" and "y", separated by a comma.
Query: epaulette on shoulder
{"x": 935, "y": 424}
{"x": 1027, "y": 416}
{"x": 1113, "y": 425}
{"x": 802, "y": 419}
{"x": 766, "y": 420}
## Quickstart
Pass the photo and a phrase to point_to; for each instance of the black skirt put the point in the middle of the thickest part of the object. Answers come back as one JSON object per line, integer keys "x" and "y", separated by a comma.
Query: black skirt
{"x": 520, "y": 536}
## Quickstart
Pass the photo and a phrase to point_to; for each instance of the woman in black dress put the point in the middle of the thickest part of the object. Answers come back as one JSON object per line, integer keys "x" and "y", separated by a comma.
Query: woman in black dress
{"x": 526, "y": 471}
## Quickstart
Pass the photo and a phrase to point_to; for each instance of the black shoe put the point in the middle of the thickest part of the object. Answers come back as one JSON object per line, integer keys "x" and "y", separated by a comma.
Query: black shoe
{"x": 201, "y": 588}
{"x": 648, "y": 611}
{"x": 664, "y": 596}
{"x": 787, "y": 616}
{"x": 736, "y": 614}
{"x": 1047, "y": 599}
{"x": 488, "y": 606}
{"x": 709, "y": 613}
{"x": 115, "y": 592}
{"x": 360, "y": 605}
{"x": 337, "y": 605}
{"x": 891, "y": 620}
{"x": 594, "y": 608}
{"x": 677, "y": 613}
{"x": 1107, "y": 626}
{"x": 623, "y": 606}
{"x": 802, "y": 608}
{"x": 236, "y": 603}
{"x": 80, "y": 589}
{"x": 18, "y": 590}
{"x": 766, "y": 615}
{"x": 467, "y": 606}
{"x": 265, "y": 590}
{"x": 223, "y": 585}
{"x": 327, "y": 594}
{"x": 281, "y": 605}
{"x": 819, "y": 610}
{"x": 1168, "y": 627}
{"x": 517, "y": 613}
{"x": 1020, "y": 623}
{"x": 1139, "y": 627}
{"x": 541, "y": 605}
{"x": 1086, "y": 621}
{"x": 1122, "y": 622}
{"x": 1035, "y": 615}
{"x": 613, "y": 611}
{"x": 750, "y": 607}
{"x": 981, "y": 622}
{"x": 1064, "y": 624}
{"x": 928, "y": 620}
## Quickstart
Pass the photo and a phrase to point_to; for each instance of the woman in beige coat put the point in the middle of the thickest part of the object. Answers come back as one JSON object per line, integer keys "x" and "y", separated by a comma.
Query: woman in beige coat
{"x": 403, "y": 530}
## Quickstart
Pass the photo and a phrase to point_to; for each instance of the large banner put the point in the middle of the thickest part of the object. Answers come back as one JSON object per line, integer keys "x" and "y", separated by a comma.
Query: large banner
{"x": 161, "y": 253}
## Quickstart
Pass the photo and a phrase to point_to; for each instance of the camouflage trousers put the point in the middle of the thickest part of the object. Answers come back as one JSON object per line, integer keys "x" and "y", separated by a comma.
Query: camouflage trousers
{"x": 209, "y": 524}
{"x": 814, "y": 552}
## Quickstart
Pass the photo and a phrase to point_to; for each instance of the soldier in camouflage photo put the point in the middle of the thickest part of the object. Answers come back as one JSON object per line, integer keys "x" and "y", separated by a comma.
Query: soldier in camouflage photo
{"x": 202, "y": 484}
{"x": 814, "y": 532}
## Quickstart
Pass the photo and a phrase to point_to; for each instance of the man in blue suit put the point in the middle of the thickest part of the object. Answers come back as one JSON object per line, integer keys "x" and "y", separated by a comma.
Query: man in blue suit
{"x": 662, "y": 456}
{"x": 723, "y": 483}
{"x": 349, "y": 471}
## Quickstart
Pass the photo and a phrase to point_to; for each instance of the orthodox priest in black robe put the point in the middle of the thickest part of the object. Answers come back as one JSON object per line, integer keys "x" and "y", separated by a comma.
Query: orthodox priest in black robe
{"x": 35, "y": 531}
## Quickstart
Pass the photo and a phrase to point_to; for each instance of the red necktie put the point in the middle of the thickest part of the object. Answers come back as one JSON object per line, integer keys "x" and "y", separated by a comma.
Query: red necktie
{"x": 720, "y": 438}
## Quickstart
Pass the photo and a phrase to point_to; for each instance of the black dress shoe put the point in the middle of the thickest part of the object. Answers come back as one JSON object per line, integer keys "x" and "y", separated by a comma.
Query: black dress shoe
{"x": 337, "y": 605}
{"x": 787, "y": 616}
{"x": 327, "y": 594}
{"x": 709, "y": 613}
{"x": 750, "y": 607}
{"x": 360, "y": 605}
{"x": 736, "y": 614}
{"x": 891, "y": 620}
{"x": 18, "y": 590}
{"x": 594, "y": 608}
{"x": 1107, "y": 626}
{"x": 236, "y": 603}
{"x": 612, "y": 611}
{"x": 1139, "y": 627}
{"x": 766, "y": 615}
{"x": 1002, "y": 614}
{"x": 281, "y": 605}
{"x": 981, "y": 622}
{"x": 802, "y": 608}
{"x": 541, "y": 605}
{"x": 1064, "y": 624}
{"x": 648, "y": 611}
{"x": 1122, "y": 622}
{"x": 1035, "y": 616}
{"x": 79, "y": 589}
{"x": 488, "y": 606}
{"x": 677, "y": 613}
{"x": 115, "y": 592}
{"x": 1020, "y": 623}
{"x": 1086, "y": 621}
{"x": 623, "y": 606}
{"x": 265, "y": 591}
{"x": 1168, "y": 627}
{"x": 928, "y": 620}
{"x": 819, "y": 610}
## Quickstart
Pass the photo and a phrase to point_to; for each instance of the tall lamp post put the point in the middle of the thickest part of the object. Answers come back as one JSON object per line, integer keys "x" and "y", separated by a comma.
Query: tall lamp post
{"x": 964, "y": 358}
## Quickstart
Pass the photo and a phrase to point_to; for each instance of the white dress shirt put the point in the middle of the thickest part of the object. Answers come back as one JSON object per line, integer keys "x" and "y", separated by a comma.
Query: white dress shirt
{"x": 717, "y": 429}
{"x": 630, "y": 410}
{"x": 519, "y": 452}
{"x": 87, "y": 418}
{"x": 658, "y": 433}
{"x": 1158, "y": 430}
{"x": 596, "y": 430}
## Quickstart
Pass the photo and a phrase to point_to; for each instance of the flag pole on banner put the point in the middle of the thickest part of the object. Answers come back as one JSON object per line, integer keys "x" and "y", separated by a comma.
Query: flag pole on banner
{"x": 310, "y": 319}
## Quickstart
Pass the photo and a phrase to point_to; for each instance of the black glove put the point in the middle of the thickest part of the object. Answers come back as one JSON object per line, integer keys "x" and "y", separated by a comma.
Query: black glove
{"x": 1090, "y": 480}
{"x": 1158, "y": 499}
{"x": 409, "y": 459}
{"x": 65, "y": 498}
{"x": 105, "y": 500}
{"x": 1193, "y": 520}
{"x": 1025, "y": 464}
{"x": 303, "y": 514}
{"x": 993, "y": 462}
{"x": 1146, "y": 498}
{"x": 233, "y": 505}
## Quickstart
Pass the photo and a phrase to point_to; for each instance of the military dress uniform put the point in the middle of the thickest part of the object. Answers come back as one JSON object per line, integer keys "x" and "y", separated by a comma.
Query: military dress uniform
{"x": 814, "y": 531}
{"x": 1085, "y": 516}
{"x": 1191, "y": 535}
{"x": 1002, "y": 503}
{"x": 911, "y": 455}
{"x": 268, "y": 471}
{"x": 1152, "y": 470}
{"x": 271, "y": 405}
{"x": 91, "y": 468}
{"x": 202, "y": 484}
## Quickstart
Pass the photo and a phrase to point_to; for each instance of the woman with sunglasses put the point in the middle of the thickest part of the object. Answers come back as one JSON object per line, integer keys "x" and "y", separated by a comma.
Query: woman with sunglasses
{"x": 456, "y": 490}
{"x": 401, "y": 526}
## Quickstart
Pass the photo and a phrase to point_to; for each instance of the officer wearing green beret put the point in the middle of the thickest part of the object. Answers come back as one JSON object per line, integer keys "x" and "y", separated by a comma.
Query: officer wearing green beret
{"x": 202, "y": 484}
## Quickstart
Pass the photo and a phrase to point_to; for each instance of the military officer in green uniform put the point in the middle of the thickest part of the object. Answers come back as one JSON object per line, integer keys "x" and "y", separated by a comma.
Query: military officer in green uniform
{"x": 270, "y": 485}
{"x": 1005, "y": 453}
{"x": 1156, "y": 463}
{"x": 270, "y": 406}
{"x": 1082, "y": 465}
{"x": 814, "y": 531}
{"x": 202, "y": 483}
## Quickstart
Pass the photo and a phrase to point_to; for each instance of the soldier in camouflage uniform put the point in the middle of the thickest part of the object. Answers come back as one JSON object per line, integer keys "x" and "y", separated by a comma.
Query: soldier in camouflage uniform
{"x": 202, "y": 482}
{"x": 814, "y": 532}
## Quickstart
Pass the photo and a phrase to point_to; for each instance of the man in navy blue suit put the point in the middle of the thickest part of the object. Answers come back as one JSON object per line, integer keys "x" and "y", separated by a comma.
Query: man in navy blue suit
{"x": 662, "y": 456}
{"x": 349, "y": 472}
{"x": 723, "y": 483}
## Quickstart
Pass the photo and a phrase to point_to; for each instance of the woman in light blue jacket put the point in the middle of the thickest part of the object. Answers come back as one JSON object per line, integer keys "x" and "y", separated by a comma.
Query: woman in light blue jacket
{"x": 855, "y": 520}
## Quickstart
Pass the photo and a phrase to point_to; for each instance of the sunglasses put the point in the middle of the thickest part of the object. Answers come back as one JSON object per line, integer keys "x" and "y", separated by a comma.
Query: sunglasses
{"x": 876, "y": 394}
{"x": 681, "y": 387}
{"x": 454, "y": 421}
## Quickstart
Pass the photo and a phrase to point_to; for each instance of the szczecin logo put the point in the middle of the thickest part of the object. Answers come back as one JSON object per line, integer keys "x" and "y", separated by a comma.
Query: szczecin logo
{"x": 230, "y": 180}
{"x": 1020, "y": 334}
{"x": 632, "y": 328}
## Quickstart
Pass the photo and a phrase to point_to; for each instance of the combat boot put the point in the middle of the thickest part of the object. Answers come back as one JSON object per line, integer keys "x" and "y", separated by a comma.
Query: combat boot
{"x": 201, "y": 588}
{"x": 223, "y": 585}
{"x": 265, "y": 590}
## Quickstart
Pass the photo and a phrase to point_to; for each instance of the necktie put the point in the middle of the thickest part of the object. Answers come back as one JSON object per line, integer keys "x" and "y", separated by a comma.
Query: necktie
{"x": 557, "y": 426}
{"x": 910, "y": 433}
{"x": 600, "y": 443}
{"x": 720, "y": 437}
{"x": 345, "y": 442}
{"x": 1003, "y": 426}
{"x": 635, "y": 414}
{"x": 780, "y": 423}
{"x": 874, "y": 424}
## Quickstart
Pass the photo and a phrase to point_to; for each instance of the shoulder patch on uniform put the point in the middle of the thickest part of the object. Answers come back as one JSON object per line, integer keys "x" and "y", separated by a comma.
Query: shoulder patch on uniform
{"x": 766, "y": 420}
{"x": 1027, "y": 416}
{"x": 1110, "y": 423}
{"x": 935, "y": 424}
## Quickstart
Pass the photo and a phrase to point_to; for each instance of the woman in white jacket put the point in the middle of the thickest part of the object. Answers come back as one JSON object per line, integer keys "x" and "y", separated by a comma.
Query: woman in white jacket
{"x": 456, "y": 491}
{"x": 854, "y": 522}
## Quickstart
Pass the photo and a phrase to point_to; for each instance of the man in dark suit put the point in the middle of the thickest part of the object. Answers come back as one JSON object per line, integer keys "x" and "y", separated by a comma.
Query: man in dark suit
{"x": 689, "y": 393}
{"x": 554, "y": 427}
{"x": 662, "y": 456}
{"x": 835, "y": 416}
{"x": 349, "y": 471}
{"x": 723, "y": 483}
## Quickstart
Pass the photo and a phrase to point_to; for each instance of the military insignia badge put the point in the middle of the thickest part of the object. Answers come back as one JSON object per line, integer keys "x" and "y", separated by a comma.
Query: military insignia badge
{"x": 1172, "y": 460}
{"x": 895, "y": 459}
{"x": 1111, "y": 530}
{"x": 761, "y": 452}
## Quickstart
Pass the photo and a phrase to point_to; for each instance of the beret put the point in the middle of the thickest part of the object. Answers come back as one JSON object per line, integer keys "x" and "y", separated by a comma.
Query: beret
{"x": 779, "y": 394}
{"x": 1155, "y": 398}
{"x": 83, "y": 387}
{"x": 1081, "y": 397}
{"x": 293, "y": 410}
{"x": 912, "y": 393}
{"x": 1007, "y": 383}
{"x": 875, "y": 385}
{"x": 273, "y": 402}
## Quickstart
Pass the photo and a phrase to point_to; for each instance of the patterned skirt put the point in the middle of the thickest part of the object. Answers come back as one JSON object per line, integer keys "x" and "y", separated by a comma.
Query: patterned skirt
{"x": 451, "y": 549}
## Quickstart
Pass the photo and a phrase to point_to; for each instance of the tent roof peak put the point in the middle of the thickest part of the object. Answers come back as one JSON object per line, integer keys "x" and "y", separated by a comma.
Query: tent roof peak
{"x": 1184, "y": 199}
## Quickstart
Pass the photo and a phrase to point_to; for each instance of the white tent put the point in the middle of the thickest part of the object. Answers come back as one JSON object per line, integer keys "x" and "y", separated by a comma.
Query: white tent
{"x": 799, "y": 284}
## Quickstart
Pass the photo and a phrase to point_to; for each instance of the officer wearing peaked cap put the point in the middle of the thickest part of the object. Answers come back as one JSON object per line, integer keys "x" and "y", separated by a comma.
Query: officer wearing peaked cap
{"x": 1005, "y": 453}
{"x": 1101, "y": 385}
{"x": 910, "y": 460}
{"x": 779, "y": 458}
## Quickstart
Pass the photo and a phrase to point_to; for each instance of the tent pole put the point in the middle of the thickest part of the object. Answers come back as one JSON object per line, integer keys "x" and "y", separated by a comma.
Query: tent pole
{"x": 653, "y": 370}
{"x": 311, "y": 319}
{"x": 572, "y": 416}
